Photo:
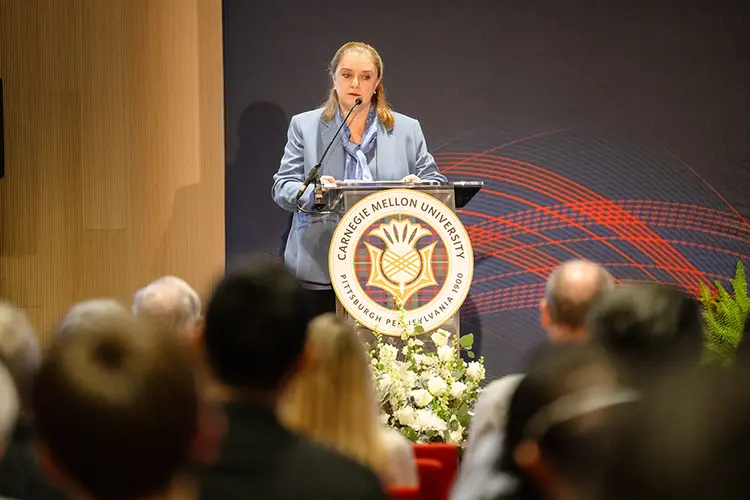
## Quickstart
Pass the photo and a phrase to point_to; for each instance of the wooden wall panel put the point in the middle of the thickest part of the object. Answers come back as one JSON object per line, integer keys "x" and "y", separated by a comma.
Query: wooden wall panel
{"x": 114, "y": 149}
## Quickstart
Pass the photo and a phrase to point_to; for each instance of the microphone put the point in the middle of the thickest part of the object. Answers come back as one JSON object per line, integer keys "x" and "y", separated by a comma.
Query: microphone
{"x": 313, "y": 175}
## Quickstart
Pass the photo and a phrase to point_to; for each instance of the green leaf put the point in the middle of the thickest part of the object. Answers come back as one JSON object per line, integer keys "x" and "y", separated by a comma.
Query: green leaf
{"x": 470, "y": 354}
{"x": 418, "y": 329}
{"x": 723, "y": 317}
{"x": 467, "y": 341}
{"x": 410, "y": 434}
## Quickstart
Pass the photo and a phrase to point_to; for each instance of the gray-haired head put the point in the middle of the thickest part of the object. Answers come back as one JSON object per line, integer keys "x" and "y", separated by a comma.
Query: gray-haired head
{"x": 170, "y": 303}
{"x": 93, "y": 315}
{"x": 571, "y": 290}
{"x": 10, "y": 405}
{"x": 19, "y": 350}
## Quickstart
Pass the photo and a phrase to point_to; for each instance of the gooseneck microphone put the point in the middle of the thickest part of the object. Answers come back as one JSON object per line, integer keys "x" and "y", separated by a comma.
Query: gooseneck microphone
{"x": 313, "y": 175}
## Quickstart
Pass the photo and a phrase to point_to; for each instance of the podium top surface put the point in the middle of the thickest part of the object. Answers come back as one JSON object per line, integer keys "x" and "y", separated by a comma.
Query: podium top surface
{"x": 464, "y": 190}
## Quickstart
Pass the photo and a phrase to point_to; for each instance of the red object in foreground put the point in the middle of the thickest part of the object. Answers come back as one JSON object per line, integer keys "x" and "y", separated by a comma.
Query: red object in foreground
{"x": 404, "y": 494}
{"x": 432, "y": 485}
{"x": 447, "y": 455}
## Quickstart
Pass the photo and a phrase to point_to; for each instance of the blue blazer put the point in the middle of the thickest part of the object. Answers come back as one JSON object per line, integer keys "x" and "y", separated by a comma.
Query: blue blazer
{"x": 400, "y": 151}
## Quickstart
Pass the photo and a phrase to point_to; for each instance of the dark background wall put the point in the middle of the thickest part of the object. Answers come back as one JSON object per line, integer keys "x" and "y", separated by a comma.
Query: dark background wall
{"x": 614, "y": 131}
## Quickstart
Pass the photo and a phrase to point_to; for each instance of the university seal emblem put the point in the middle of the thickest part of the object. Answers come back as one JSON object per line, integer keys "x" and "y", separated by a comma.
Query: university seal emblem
{"x": 400, "y": 246}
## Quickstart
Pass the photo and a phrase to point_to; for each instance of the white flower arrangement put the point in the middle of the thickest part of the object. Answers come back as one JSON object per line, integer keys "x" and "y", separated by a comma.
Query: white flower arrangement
{"x": 427, "y": 396}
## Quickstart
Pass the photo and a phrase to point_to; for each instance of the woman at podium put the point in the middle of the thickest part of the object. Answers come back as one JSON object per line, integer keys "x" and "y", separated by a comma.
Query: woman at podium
{"x": 369, "y": 142}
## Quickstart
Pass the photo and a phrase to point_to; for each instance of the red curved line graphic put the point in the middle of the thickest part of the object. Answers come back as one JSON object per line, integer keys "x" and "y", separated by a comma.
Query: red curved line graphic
{"x": 542, "y": 208}
{"x": 639, "y": 266}
{"x": 549, "y": 226}
{"x": 638, "y": 208}
{"x": 487, "y": 302}
{"x": 508, "y": 252}
{"x": 521, "y": 140}
{"x": 631, "y": 226}
{"x": 685, "y": 207}
{"x": 718, "y": 195}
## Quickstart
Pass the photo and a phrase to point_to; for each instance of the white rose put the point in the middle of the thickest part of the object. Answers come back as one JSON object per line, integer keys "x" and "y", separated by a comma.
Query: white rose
{"x": 406, "y": 416}
{"x": 421, "y": 397}
{"x": 384, "y": 383}
{"x": 475, "y": 370}
{"x": 428, "y": 420}
{"x": 440, "y": 338}
{"x": 437, "y": 386}
{"x": 427, "y": 361}
{"x": 457, "y": 389}
{"x": 410, "y": 379}
{"x": 387, "y": 354}
{"x": 445, "y": 353}
{"x": 456, "y": 437}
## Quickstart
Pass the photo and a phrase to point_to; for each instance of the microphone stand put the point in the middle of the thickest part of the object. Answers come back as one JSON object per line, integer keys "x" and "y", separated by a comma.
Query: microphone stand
{"x": 312, "y": 177}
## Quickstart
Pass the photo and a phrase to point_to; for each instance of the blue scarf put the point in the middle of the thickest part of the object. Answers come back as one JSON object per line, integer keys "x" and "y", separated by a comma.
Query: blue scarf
{"x": 358, "y": 155}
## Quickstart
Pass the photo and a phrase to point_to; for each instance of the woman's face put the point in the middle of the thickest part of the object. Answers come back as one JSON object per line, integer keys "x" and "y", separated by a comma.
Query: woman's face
{"x": 355, "y": 77}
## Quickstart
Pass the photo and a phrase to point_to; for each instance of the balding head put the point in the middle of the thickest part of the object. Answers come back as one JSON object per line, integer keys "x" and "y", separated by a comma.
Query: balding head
{"x": 571, "y": 290}
{"x": 93, "y": 315}
{"x": 169, "y": 303}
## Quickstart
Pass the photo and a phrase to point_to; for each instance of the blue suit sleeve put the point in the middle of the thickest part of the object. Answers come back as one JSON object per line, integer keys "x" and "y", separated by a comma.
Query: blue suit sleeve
{"x": 426, "y": 168}
{"x": 291, "y": 175}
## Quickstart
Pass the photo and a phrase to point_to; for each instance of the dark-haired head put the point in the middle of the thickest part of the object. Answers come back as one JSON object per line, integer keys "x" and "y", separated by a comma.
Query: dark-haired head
{"x": 255, "y": 327}
{"x": 686, "y": 440}
{"x": 650, "y": 329}
{"x": 560, "y": 419}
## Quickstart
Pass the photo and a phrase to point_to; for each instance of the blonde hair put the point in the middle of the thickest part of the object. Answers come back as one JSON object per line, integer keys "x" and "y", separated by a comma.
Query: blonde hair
{"x": 382, "y": 108}
{"x": 333, "y": 399}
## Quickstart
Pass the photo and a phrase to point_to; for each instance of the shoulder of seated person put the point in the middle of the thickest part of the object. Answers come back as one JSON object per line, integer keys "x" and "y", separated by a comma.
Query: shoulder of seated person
{"x": 508, "y": 383}
{"x": 327, "y": 457}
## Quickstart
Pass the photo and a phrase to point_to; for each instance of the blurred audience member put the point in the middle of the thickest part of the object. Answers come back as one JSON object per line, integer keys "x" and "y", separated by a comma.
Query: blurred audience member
{"x": 561, "y": 424}
{"x": 255, "y": 333}
{"x": 116, "y": 409}
{"x": 10, "y": 408}
{"x": 170, "y": 303}
{"x": 93, "y": 315}
{"x": 650, "y": 330}
{"x": 19, "y": 350}
{"x": 686, "y": 441}
{"x": 333, "y": 401}
{"x": 571, "y": 290}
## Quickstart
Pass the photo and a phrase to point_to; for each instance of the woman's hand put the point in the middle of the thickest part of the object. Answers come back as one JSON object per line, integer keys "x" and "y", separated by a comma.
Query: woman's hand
{"x": 411, "y": 178}
{"x": 327, "y": 182}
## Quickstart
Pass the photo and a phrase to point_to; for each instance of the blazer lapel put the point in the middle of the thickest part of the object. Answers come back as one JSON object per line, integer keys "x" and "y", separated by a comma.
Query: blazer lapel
{"x": 385, "y": 155}
{"x": 333, "y": 163}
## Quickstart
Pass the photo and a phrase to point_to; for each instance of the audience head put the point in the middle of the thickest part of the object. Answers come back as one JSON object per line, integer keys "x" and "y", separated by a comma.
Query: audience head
{"x": 570, "y": 292}
{"x": 687, "y": 440}
{"x": 650, "y": 329}
{"x": 255, "y": 328}
{"x": 116, "y": 409}
{"x": 332, "y": 399}
{"x": 19, "y": 350}
{"x": 561, "y": 418}
{"x": 170, "y": 303}
{"x": 10, "y": 407}
{"x": 93, "y": 316}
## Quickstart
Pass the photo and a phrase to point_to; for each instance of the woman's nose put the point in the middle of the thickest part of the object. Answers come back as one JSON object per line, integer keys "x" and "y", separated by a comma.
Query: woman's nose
{"x": 355, "y": 82}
